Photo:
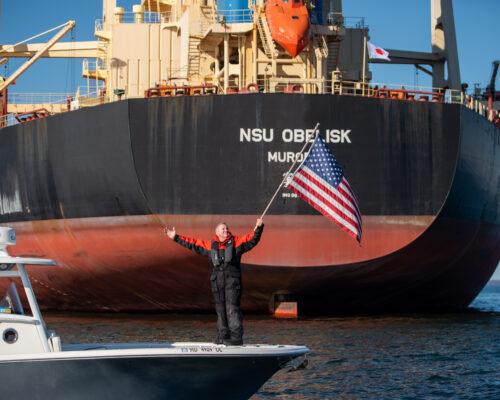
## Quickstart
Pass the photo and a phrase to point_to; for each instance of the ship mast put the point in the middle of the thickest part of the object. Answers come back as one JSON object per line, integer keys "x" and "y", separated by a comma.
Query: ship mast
{"x": 444, "y": 53}
{"x": 444, "y": 44}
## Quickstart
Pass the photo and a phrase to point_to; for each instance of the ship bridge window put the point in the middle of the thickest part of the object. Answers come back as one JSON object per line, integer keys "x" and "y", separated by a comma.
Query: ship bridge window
{"x": 285, "y": 1}
{"x": 295, "y": 17}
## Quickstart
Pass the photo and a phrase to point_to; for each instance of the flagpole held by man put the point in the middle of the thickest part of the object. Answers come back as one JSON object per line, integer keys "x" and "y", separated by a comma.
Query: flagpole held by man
{"x": 288, "y": 173}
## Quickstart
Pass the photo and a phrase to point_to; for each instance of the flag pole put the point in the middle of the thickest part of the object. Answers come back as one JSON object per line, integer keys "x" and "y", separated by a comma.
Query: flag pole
{"x": 286, "y": 176}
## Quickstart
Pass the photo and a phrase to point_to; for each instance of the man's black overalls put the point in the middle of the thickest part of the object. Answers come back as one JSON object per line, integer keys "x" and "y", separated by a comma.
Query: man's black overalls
{"x": 225, "y": 259}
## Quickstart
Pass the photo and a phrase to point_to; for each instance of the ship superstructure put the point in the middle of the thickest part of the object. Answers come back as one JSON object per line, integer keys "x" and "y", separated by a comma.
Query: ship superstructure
{"x": 204, "y": 43}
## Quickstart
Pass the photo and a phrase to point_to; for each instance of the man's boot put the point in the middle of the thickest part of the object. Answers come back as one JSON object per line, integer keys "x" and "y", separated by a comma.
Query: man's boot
{"x": 233, "y": 342}
{"x": 220, "y": 339}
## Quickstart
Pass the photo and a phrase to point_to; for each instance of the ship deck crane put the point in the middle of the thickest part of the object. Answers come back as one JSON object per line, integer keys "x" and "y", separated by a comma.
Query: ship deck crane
{"x": 65, "y": 29}
{"x": 490, "y": 89}
{"x": 490, "y": 92}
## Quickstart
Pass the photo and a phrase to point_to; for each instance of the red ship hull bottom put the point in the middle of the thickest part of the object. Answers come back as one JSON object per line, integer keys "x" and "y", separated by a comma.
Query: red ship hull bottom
{"x": 127, "y": 264}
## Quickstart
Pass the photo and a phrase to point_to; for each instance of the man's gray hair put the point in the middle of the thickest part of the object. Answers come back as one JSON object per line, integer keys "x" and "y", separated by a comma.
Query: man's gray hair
{"x": 219, "y": 224}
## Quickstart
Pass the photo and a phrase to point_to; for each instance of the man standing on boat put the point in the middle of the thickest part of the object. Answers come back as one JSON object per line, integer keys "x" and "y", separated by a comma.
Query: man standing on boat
{"x": 224, "y": 252}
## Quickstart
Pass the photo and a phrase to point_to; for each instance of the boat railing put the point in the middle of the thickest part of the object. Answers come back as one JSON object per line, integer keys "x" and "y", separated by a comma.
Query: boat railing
{"x": 185, "y": 90}
{"x": 129, "y": 17}
{"x": 93, "y": 66}
{"x": 270, "y": 84}
{"x": 24, "y": 107}
{"x": 37, "y": 98}
{"x": 31, "y": 115}
{"x": 149, "y": 17}
{"x": 98, "y": 25}
{"x": 7, "y": 120}
{"x": 397, "y": 92}
{"x": 227, "y": 16}
{"x": 354, "y": 22}
{"x": 405, "y": 94}
{"x": 22, "y": 104}
{"x": 176, "y": 74}
{"x": 20, "y": 331}
{"x": 234, "y": 16}
{"x": 87, "y": 101}
{"x": 337, "y": 18}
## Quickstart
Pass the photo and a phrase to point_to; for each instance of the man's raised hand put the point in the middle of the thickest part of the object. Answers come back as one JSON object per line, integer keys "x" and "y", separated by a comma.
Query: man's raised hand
{"x": 170, "y": 232}
{"x": 260, "y": 221}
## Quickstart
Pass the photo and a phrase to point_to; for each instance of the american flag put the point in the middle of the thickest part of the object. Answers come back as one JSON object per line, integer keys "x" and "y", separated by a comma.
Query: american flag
{"x": 319, "y": 180}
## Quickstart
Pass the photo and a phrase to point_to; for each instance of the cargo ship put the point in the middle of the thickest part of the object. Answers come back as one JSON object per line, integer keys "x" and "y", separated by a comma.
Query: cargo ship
{"x": 197, "y": 112}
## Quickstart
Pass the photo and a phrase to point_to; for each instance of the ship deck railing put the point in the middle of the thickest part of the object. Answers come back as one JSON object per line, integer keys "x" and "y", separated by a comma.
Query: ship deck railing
{"x": 54, "y": 103}
{"x": 185, "y": 90}
{"x": 37, "y": 98}
{"x": 222, "y": 16}
{"x": 235, "y": 16}
{"x": 23, "y": 107}
{"x": 129, "y": 17}
{"x": 396, "y": 92}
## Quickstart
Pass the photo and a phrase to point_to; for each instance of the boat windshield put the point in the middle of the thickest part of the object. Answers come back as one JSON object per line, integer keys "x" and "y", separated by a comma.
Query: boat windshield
{"x": 11, "y": 304}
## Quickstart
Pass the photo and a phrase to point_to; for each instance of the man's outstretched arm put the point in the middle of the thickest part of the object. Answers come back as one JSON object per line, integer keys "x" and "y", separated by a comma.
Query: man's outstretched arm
{"x": 201, "y": 247}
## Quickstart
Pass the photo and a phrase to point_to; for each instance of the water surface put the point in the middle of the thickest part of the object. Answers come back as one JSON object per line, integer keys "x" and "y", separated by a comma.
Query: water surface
{"x": 405, "y": 356}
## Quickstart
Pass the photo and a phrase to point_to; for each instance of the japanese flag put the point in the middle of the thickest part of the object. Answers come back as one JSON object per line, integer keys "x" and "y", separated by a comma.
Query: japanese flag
{"x": 377, "y": 52}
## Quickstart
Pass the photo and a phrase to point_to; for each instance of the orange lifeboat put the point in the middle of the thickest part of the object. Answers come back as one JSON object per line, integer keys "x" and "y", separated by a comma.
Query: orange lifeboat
{"x": 289, "y": 24}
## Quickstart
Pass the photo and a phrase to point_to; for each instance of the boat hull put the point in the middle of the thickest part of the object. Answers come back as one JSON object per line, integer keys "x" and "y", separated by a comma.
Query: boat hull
{"x": 125, "y": 375}
{"x": 93, "y": 189}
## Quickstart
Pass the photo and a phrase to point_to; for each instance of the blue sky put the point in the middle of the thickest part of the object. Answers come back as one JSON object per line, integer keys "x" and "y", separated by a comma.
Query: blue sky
{"x": 396, "y": 24}
{"x": 405, "y": 25}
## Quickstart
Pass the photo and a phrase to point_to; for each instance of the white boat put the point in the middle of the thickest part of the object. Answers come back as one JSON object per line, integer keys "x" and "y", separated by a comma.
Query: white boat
{"x": 36, "y": 364}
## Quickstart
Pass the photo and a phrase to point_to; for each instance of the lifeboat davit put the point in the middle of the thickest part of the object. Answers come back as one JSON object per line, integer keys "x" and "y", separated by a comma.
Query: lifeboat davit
{"x": 289, "y": 24}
